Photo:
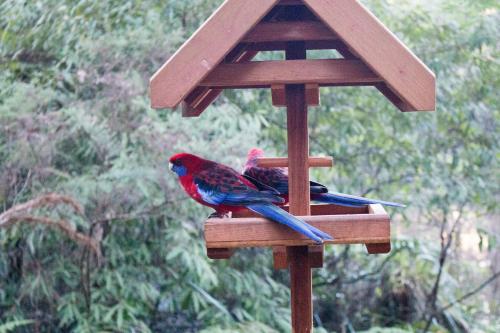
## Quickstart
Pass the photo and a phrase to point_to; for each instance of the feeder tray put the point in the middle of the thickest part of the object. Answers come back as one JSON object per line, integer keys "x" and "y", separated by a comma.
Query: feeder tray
{"x": 369, "y": 225}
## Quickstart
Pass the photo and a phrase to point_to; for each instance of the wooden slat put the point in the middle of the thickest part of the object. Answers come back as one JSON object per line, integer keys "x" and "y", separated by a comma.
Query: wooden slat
{"x": 378, "y": 248}
{"x": 205, "y": 49}
{"x": 380, "y": 49}
{"x": 194, "y": 104}
{"x": 317, "y": 209}
{"x": 219, "y": 253}
{"x": 312, "y": 94}
{"x": 260, "y": 232}
{"x": 201, "y": 97}
{"x": 382, "y": 87}
{"x": 316, "y": 253}
{"x": 289, "y": 31}
{"x": 322, "y": 209}
{"x": 280, "y": 46}
{"x": 266, "y": 73}
{"x": 282, "y": 162}
{"x": 280, "y": 259}
{"x": 298, "y": 188}
{"x": 278, "y": 94}
{"x": 393, "y": 98}
{"x": 300, "y": 288}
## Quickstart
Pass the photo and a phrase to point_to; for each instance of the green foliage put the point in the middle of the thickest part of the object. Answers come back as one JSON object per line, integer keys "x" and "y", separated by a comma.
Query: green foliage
{"x": 75, "y": 119}
{"x": 12, "y": 325}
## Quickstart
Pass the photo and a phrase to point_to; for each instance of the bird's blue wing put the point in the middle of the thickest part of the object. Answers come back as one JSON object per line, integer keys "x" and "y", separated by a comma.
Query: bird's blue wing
{"x": 221, "y": 185}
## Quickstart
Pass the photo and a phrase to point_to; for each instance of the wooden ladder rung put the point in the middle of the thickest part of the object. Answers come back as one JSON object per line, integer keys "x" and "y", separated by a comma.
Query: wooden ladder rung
{"x": 282, "y": 162}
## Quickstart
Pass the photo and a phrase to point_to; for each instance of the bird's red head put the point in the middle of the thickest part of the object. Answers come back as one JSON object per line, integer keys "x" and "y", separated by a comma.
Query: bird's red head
{"x": 185, "y": 163}
{"x": 253, "y": 155}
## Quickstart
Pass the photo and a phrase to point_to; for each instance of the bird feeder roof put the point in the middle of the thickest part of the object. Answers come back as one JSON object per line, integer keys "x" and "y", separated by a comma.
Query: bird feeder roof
{"x": 218, "y": 54}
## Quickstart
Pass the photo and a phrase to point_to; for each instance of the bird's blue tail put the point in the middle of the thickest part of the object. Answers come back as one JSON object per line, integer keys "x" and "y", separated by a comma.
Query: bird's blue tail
{"x": 277, "y": 214}
{"x": 348, "y": 200}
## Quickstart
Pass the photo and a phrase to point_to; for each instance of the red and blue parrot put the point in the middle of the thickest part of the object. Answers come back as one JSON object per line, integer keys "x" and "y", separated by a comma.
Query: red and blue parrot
{"x": 225, "y": 190}
{"x": 277, "y": 179}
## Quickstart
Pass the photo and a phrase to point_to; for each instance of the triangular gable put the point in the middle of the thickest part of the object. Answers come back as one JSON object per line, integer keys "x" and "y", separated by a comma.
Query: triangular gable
{"x": 381, "y": 50}
{"x": 355, "y": 33}
{"x": 206, "y": 48}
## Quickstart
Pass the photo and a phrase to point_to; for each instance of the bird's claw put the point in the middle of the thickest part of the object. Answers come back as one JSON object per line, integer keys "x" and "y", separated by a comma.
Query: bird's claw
{"x": 217, "y": 215}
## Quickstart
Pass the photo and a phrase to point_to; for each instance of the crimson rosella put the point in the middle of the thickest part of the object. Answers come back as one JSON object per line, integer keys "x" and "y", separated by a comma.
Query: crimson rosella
{"x": 225, "y": 190}
{"x": 278, "y": 179}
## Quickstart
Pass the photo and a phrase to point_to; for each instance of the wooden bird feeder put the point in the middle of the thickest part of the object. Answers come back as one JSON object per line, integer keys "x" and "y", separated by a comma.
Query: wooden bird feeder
{"x": 219, "y": 56}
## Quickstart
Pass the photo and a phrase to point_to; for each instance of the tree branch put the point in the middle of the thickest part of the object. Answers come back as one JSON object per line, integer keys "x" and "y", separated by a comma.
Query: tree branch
{"x": 20, "y": 213}
{"x": 472, "y": 292}
{"x": 445, "y": 246}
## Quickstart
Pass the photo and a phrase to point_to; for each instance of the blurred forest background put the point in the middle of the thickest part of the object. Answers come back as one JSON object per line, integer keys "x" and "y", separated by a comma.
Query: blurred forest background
{"x": 118, "y": 247}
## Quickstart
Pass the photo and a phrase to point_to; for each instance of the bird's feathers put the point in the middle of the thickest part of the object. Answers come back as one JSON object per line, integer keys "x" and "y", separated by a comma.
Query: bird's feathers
{"x": 351, "y": 200}
{"x": 277, "y": 178}
{"x": 222, "y": 188}
{"x": 221, "y": 185}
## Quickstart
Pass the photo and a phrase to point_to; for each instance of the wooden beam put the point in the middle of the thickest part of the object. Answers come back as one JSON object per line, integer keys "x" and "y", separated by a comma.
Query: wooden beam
{"x": 298, "y": 188}
{"x": 280, "y": 259}
{"x": 219, "y": 253}
{"x": 278, "y": 94}
{"x": 289, "y": 31}
{"x": 282, "y": 162}
{"x": 281, "y": 46}
{"x": 312, "y": 94}
{"x": 201, "y": 97}
{"x": 316, "y": 253}
{"x": 205, "y": 50}
{"x": 393, "y": 98}
{"x": 380, "y": 49}
{"x": 317, "y": 209}
{"x": 260, "y": 232}
{"x": 197, "y": 101}
{"x": 329, "y": 72}
{"x": 378, "y": 248}
{"x": 382, "y": 87}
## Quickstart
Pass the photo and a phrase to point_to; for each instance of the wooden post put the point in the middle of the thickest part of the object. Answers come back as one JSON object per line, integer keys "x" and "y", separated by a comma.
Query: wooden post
{"x": 298, "y": 170}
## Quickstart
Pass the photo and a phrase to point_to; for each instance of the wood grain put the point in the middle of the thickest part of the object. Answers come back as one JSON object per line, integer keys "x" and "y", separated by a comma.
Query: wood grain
{"x": 278, "y": 97}
{"x": 316, "y": 256}
{"x": 279, "y": 46}
{"x": 381, "y": 50}
{"x": 206, "y": 48}
{"x": 312, "y": 94}
{"x": 220, "y": 253}
{"x": 201, "y": 97}
{"x": 325, "y": 72}
{"x": 289, "y": 31}
{"x": 298, "y": 188}
{"x": 300, "y": 288}
{"x": 280, "y": 258}
{"x": 260, "y": 232}
{"x": 317, "y": 209}
{"x": 378, "y": 248}
{"x": 282, "y": 162}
